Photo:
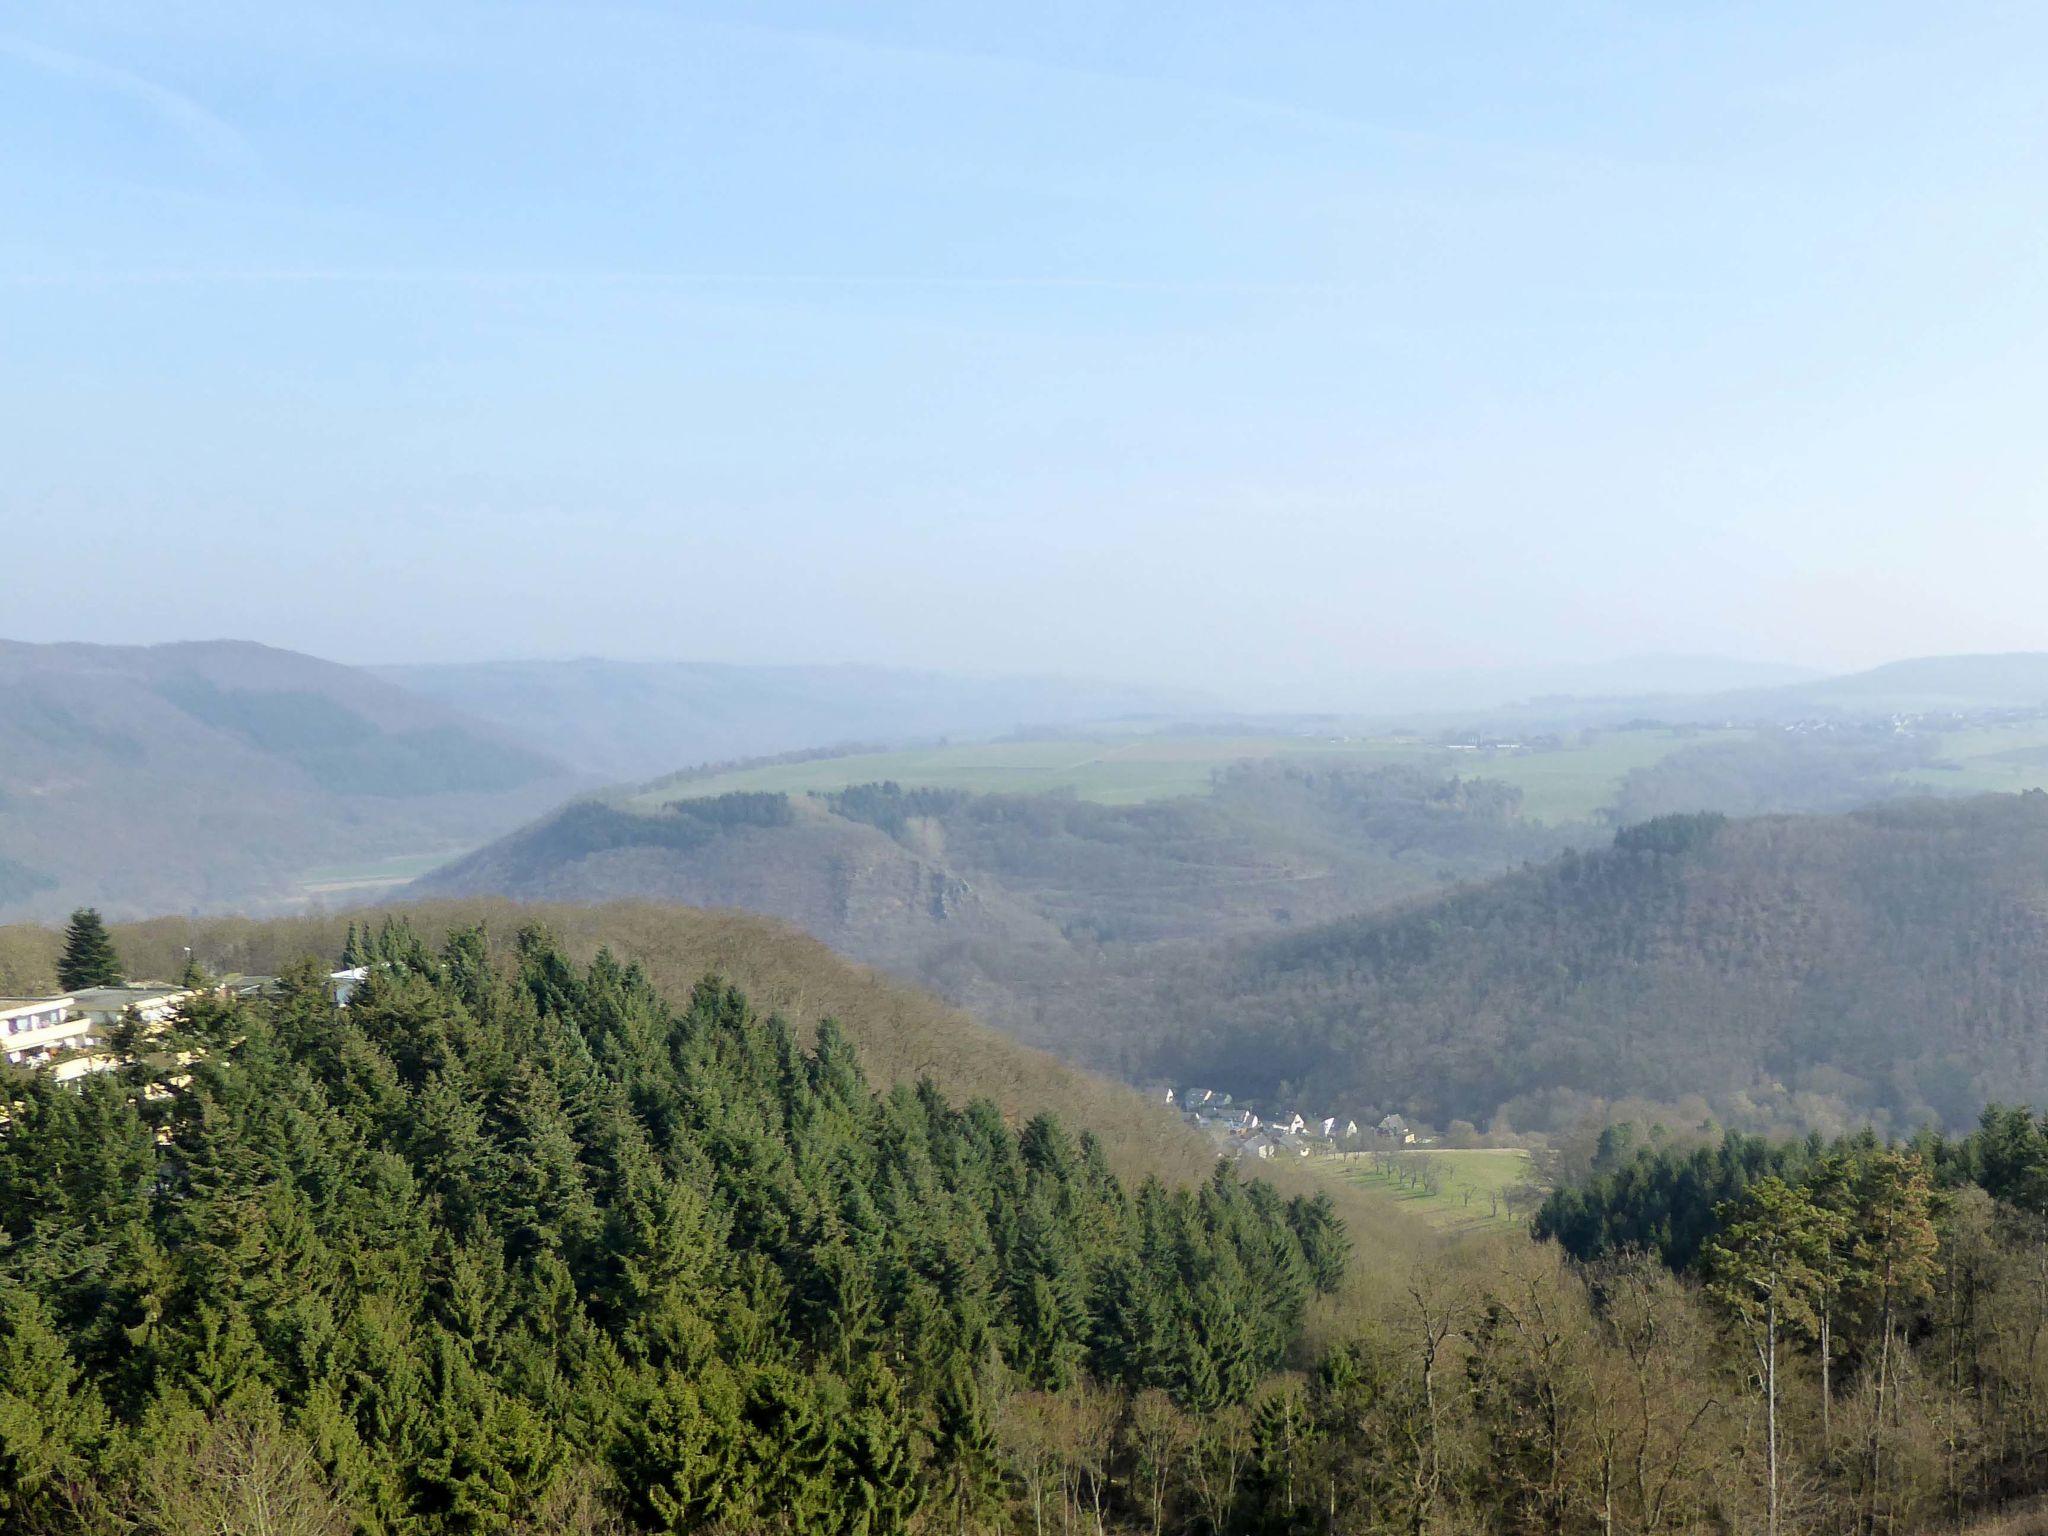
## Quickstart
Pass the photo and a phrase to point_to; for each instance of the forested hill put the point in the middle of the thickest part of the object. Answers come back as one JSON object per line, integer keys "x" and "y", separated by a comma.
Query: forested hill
{"x": 530, "y": 1247}
{"x": 522, "y": 1243}
{"x": 902, "y": 1034}
{"x": 227, "y": 775}
{"x": 1006, "y": 902}
{"x": 1808, "y": 969}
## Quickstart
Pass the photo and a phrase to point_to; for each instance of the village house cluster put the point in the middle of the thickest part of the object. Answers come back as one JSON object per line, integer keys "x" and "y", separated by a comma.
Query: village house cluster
{"x": 1240, "y": 1131}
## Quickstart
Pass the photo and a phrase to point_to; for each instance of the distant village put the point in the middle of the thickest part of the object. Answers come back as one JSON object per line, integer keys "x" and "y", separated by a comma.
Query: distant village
{"x": 1238, "y": 1131}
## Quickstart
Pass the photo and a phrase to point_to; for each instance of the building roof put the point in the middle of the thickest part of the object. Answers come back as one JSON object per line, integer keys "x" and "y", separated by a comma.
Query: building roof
{"x": 12, "y": 1005}
{"x": 107, "y": 1003}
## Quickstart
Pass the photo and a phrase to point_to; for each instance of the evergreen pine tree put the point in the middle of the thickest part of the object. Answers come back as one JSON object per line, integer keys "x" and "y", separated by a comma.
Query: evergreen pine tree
{"x": 965, "y": 1452}
{"x": 89, "y": 959}
{"x": 49, "y": 1418}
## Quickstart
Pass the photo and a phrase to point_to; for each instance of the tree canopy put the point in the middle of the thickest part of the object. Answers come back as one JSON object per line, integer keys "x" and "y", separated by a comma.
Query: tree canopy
{"x": 490, "y": 1236}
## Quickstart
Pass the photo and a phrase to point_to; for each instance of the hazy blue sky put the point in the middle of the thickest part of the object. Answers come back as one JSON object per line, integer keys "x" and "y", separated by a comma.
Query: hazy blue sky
{"x": 1214, "y": 342}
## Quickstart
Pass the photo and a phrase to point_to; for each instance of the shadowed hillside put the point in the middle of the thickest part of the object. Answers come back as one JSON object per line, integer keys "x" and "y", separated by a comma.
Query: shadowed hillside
{"x": 1011, "y": 903}
{"x": 1888, "y": 962}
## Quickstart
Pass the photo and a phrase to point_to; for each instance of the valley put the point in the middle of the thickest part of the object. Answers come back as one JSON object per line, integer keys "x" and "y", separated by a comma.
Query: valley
{"x": 872, "y": 1187}
{"x": 1269, "y": 912}
{"x": 805, "y": 769}
{"x": 1605, "y": 980}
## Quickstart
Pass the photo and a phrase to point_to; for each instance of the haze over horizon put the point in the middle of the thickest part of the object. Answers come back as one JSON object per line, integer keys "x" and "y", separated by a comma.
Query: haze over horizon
{"x": 1254, "y": 355}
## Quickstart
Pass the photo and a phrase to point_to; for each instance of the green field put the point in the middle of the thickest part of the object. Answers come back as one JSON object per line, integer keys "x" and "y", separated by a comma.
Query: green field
{"x": 1568, "y": 783}
{"x": 1116, "y": 771}
{"x": 1575, "y": 782}
{"x": 1471, "y": 1185}
{"x": 1990, "y": 759}
{"x": 371, "y": 876}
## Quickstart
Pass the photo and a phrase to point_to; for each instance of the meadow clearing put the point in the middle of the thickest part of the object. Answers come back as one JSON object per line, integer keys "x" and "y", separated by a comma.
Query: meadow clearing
{"x": 1452, "y": 1190}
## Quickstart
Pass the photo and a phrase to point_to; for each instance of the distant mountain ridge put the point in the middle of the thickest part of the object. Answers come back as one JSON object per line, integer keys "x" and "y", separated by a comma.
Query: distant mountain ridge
{"x": 214, "y": 774}
{"x": 1913, "y": 686}
{"x": 629, "y": 720}
{"x": 2001, "y": 680}
{"x": 1462, "y": 689}
{"x": 1708, "y": 690}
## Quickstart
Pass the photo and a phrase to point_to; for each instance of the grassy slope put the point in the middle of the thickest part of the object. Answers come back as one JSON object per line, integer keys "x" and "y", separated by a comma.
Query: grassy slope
{"x": 1462, "y": 1203}
{"x": 1568, "y": 784}
{"x": 1578, "y": 781}
{"x": 1125, "y": 771}
{"x": 1990, "y": 758}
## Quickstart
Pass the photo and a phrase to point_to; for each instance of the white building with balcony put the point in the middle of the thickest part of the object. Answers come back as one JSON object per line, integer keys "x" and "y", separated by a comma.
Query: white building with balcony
{"x": 32, "y": 1029}
{"x": 65, "y": 1035}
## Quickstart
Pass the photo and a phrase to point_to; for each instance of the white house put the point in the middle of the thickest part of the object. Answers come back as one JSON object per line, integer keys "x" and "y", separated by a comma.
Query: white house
{"x": 1395, "y": 1129}
{"x": 1293, "y": 1125}
{"x": 64, "y": 1034}
{"x": 34, "y": 1028}
{"x": 1336, "y": 1128}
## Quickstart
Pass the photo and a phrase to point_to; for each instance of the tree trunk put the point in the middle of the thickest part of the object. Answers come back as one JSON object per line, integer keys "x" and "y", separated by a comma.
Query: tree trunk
{"x": 1884, "y": 1360}
{"x": 1771, "y": 1408}
{"x": 1827, "y": 1394}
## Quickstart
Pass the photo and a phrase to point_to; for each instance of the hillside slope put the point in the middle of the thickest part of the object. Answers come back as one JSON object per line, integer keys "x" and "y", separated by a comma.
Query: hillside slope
{"x": 902, "y": 1034}
{"x": 511, "y": 1244}
{"x": 207, "y": 775}
{"x": 631, "y": 720}
{"x": 1006, "y": 902}
{"x": 1892, "y": 961}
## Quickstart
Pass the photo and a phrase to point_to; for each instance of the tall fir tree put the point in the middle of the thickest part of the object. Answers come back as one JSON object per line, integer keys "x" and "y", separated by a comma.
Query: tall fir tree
{"x": 89, "y": 959}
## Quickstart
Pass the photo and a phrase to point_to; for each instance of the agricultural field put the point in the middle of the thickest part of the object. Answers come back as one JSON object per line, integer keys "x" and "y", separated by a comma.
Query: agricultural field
{"x": 1577, "y": 781}
{"x": 1455, "y": 1190}
{"x": 1116, "y": 771}
{"x": 370, "y": 878}
{"x": 2003, "y": 758}
{"x": 1568, "y": 783}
